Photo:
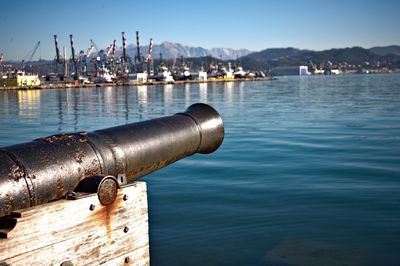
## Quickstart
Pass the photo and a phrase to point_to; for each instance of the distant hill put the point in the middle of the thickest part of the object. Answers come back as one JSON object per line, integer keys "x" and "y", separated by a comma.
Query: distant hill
{"x": 284, "y": 57}
{"x": 274, "y": 54}
{"x": 386, "y": 50}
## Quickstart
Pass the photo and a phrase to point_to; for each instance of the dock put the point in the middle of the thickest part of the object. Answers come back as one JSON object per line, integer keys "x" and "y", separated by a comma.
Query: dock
{"x": 60, "y": 85}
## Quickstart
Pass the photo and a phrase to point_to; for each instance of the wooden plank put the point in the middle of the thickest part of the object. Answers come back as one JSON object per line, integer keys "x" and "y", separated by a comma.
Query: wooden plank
{"x": 67, "y": 230}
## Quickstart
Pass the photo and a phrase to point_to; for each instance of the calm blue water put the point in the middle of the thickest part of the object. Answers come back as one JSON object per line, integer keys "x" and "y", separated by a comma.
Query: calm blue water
{"x": 308, "y": 174}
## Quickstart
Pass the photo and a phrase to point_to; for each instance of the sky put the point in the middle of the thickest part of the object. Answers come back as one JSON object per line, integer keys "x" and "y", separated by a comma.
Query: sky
{"x": 250, "y": 24}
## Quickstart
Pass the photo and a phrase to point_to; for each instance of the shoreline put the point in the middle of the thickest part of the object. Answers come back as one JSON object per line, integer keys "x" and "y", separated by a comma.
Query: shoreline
{"x": 129, "y": 83}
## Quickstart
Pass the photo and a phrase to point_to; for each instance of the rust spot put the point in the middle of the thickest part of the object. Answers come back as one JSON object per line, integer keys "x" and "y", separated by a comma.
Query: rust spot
{"x": 107, "y": 191}
{"x": 93, "y": 168}
{"x": 104, "y": 215}
{"x": 78, "y": 156}
{"x": 54, "y": 138}
{"x": 16, "y": 173}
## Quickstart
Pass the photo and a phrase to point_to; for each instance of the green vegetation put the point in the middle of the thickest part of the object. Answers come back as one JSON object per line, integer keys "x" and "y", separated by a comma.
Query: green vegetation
{"x": 347, "y": 58}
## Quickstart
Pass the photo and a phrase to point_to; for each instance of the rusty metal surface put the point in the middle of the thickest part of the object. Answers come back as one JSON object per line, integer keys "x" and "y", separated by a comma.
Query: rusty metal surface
{"x": 106, "y": 188}
{"x": 48, "y": 168}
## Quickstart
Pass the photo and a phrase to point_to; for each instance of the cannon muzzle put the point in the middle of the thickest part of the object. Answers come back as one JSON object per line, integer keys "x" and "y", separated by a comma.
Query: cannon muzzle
{"x": 48, "y": 168}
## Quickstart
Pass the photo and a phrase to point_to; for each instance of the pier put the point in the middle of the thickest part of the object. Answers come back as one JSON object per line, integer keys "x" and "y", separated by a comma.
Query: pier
{"x": 61, "y": 85}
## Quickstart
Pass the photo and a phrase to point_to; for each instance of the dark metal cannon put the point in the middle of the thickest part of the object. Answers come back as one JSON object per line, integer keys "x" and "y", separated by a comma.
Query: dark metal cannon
{"x": 48, "y": 168}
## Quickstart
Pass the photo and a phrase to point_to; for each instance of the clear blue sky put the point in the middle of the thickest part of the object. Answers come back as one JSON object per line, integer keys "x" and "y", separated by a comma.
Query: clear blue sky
{"x": 251, "y": 24}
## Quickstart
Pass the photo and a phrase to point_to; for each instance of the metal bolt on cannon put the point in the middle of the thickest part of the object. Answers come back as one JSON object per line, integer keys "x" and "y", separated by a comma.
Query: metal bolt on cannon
{"x": 52, "y": 167}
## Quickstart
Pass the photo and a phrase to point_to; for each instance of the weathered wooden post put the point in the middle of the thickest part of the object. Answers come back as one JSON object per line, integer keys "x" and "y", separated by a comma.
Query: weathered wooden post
{"x": 79, "y": 232}
{"x": 72, "y": 199}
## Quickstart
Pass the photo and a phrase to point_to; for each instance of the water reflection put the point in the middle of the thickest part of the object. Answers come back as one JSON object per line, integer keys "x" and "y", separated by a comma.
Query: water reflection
{"x": 142, "y": 100}
{"x": 241, "y": 93}
{"x": 60, "y": 115}
{"x": 28, "y": 102}
{"x": 203, "y": 92}
{"x": 187, "y": 94}
{"x": 70, "y": 109}
{"x": 142, "y": 94}
{"x": 167, "y": 100}
{"x": 76, "y": 113}
{"x": 228, "y": 91}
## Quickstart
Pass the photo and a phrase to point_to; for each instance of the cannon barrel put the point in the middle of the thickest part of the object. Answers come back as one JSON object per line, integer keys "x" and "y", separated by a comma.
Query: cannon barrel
{"x": 48, "y": 168}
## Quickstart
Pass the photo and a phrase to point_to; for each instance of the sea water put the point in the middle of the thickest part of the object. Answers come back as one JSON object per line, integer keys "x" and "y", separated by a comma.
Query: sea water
{"x": 308, "y": 173}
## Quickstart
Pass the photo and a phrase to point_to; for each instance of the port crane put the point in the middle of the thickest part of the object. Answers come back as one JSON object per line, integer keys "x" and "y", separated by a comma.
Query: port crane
{"x": 1, "y": 62}
{"x": 148, "y": 59}
{"x": 29, "y": 56}
{"x": 59, "y": 60}
{"x": 97, "y": 62}
{"x": 83, "y": 58}
{"x": 73, "y": 58}
{"x": 124, "y": 57}
{"x": 111, "y": 49}
{"x": 139, "y": 60}
{"x": 104, "y": 60}
{"x": 126, "y": 61}
{"x": 33, "y": 52}
{"x": 94, "y": 45}
{"x": 110, "y": 56}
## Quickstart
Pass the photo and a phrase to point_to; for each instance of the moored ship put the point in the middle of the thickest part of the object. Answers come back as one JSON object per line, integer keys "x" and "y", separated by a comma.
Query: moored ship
{"x": 19, "y": 79}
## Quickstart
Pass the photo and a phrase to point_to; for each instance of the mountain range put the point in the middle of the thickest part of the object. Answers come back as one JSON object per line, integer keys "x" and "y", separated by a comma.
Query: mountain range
{"x": 170, "y": 50}
{"x": 384, "y": 56}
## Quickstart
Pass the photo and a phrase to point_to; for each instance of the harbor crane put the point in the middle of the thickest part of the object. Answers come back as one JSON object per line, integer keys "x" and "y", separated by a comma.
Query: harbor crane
{"x": 104, "y": 60}
{"x": 73, "y": 59}
{"x": 138, "y": 57}
{"x": 124, "y": 58}
{"x": 111, "y": 49}
{"x": 83, "y": 58}
{"x": 34, "y": 51}
{"x": 94, "y": 45}
{"x": 29, "y": 56}
{"x": 139, "y": 60}
{"x": 148, "y": 60}
{"x": 99, "y": 58}
{"x": 109, "y": 59}
{"x": 1, "y": 62}
{"x": 59, "y": 60}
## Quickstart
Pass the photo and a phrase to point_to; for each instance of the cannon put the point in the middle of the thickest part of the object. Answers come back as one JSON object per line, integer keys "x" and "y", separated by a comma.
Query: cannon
{"x": 48, "y": 168}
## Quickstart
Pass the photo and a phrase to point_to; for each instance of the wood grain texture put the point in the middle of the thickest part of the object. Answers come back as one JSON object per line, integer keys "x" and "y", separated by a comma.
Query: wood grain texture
{"x": 67, "y": 230}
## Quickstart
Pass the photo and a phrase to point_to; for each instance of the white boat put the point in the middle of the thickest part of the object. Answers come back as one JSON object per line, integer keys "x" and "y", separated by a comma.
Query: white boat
{"x": 164, "y": 75}
{"x": 240, "y": 73}
{"x": 104, "y": 76}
